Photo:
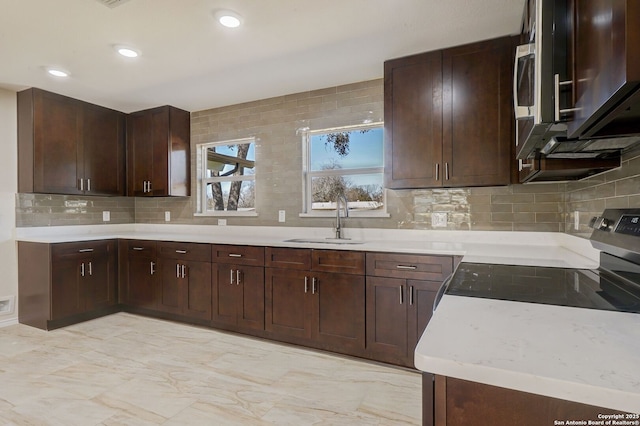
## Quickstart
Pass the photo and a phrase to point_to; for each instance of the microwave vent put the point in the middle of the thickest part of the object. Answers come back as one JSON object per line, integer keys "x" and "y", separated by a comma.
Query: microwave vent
{"x": 112, "y": 3}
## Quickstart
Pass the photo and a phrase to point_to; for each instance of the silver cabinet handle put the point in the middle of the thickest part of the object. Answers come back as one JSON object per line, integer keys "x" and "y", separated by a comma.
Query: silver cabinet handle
{"x": 81, "y": 184}
{"x": 411, "y": 295}
{"x": 522, "y": 165}
{"x": 144, "y": 186}
{"x": 87, "y": 250}
{"x": 556, "y": 93}
{"x": 446, "y": 171}
{"x": 437, "y": 171}
{"x": 234, "y": 255}
{"x": 90, "y": 269}
{"x": 521, "y": 111}
{"x": 237, "y": 276}
{"x": 401, "y": 295}
{"x": 181, "y": 251}
{"x": 88, "y": 184}
{"x": 314, "y": 285}
{"x": 153, "y": 267}
{"x": 407, "y": 267}
{"x": 231, "y": 278}
{"x": 149, "y": 186}
{"x": 184, "y": 269}
{"x": 306, "y": 284}
{"x": 137, "y": 248}
{"x": 82, "y": 269}
{"x": 177, "y": 270}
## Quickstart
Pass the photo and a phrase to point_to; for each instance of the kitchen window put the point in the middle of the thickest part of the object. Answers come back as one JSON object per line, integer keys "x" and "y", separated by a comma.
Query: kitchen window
{"x": 226, "y": 178}
{"x": 344, "y": 160}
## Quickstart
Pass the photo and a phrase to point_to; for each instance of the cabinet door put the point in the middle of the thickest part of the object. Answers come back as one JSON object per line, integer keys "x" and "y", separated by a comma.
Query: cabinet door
{"x": 387, "y": 319}
{"x": 170, "y": 296}
{"x": 99, "y": 281}
{"x": 477, "y": 113}
{"x": 104, "y": 151}
{"x": 250, "y": 283}
{"x": 66, "y": 293}
{"x": 225, "y": 294}
{"x": 195, "y": 281}
{"x": 56, "y": 144}
{"x": 340, "y": 308}
{"x": 413, "y": 121}
{"x": 140, "y": 286}
{"x": 287, "y": 307}
{"x": 140, "y": 153}
{"x": 422, "y": 294}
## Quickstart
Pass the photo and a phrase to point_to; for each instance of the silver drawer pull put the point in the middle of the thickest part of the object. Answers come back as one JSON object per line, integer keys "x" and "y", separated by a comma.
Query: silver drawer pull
{"x": 181, "y": 251}
{"x": 137, "y": 248}
{"x": 406, "y": 267}
{"x": 234, "y": 255}
{"x": 153, "y": 268}
{"x": 89, "y": 250}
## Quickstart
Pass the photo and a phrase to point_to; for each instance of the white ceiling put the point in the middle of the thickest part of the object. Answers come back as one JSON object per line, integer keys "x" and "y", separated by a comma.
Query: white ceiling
{"x": 190, "y": 61}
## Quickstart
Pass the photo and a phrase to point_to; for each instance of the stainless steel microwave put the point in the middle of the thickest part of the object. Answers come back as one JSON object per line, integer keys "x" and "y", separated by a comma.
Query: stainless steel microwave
{"x": 540, "y": 74}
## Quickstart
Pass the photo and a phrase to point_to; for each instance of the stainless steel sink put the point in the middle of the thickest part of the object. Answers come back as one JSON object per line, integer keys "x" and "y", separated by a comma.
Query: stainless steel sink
{"x": 324, "y": 241}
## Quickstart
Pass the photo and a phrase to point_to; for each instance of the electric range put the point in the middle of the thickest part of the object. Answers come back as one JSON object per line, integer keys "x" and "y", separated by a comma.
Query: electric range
{"x": 614, "y": 285}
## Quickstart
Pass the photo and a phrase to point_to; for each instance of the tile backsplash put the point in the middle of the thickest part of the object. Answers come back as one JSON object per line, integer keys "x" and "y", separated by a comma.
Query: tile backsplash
{"x": 276, "y": 124}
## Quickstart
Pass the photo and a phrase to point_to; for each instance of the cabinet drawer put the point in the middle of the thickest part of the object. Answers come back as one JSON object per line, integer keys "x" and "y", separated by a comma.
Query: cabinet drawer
{"x": 288, "y": 258}
{"x": 141, "y": 248}
{"x": 62, "y": 250}
{"x": 239, "y": 255}
{"x": 415, "y": 267}
{"x": 347, "y": 262}
{"x": 185, "y": 251}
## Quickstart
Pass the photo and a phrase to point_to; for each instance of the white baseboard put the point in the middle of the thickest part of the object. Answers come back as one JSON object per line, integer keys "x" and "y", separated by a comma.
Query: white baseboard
{"x": 9, "y": 321}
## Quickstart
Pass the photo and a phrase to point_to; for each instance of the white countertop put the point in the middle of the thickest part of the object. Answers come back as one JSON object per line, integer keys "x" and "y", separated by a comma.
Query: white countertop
{"x": 519, "y": 248}
{"x": 583, "y": 355}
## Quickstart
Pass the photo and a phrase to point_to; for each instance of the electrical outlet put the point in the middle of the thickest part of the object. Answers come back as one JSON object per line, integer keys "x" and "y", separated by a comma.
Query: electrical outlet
{"x": 222, "y": 222}
{"x": 106, "y": 216}
{"x": 281, "y": 215}
{"x": 439, "y": 220}
{"x": 167, "y": 216}
{"x": 576, "y": 220}
{"x": 6, "y": 305}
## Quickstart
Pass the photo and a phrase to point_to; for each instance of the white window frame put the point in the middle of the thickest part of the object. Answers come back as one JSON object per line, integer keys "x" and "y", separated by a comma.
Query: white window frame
{"x": 308, "y": 175}
{"x": 202, "y": 180}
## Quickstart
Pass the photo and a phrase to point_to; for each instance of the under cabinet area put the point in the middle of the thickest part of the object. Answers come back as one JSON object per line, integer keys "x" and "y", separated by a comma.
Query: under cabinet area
{"x": 66, "y": 146}
{"x": 238, "y": 286}
{"x": 316, "y": 298}
{"x": 64, "y": 283}
{"x": 448, "y": 117}
{"x": 401, "y": 290}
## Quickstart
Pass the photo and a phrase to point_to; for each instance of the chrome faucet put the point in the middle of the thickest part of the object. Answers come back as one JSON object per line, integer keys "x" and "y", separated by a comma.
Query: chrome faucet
{"x": 339, "y": 198}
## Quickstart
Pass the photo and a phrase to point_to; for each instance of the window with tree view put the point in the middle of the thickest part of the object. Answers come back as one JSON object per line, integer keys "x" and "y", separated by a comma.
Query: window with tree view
{"x": 226, "y": 173}
{"x": 347, "y": 161}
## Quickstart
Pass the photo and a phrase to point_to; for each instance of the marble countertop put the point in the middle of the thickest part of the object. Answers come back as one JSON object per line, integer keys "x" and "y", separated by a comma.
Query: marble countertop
{"x": 519, "y": 248}
{"x": 583, "y": 355}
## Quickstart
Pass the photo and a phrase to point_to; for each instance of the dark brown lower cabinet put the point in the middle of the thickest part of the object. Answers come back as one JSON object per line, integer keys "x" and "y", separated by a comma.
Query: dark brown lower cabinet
{"x": 238, "y": 295}
{"x": 185, "y": 288}
{"x": 64, "y": 283}
{"x": 316, "y": 298}
{"x": 461, "y": 402}
{"x": 138, "y": 273}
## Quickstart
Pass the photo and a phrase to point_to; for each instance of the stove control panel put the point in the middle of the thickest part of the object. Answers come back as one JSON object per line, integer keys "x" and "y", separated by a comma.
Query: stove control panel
{"x": 629, "y": 225}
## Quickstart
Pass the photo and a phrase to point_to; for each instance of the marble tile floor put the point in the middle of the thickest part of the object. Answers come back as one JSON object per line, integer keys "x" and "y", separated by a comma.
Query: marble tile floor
{"x": 130, "y": 370}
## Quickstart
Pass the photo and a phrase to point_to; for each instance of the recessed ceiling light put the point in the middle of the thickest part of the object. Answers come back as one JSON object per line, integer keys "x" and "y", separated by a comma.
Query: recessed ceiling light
{"x": 127, "y": 51}
{"x": 57, "y": 72}
{"x": 229, "y": 18}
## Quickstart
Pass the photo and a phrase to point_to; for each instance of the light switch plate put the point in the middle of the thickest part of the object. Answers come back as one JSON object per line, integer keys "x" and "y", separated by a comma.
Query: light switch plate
{"x": 439, "y": 220}
{"x": 106, "y": 216}
{"x": 281, "y": 215}
{"x": 167, "y": 216}
{"x": 576, "y": 220}
{"x": 222, "y": 222}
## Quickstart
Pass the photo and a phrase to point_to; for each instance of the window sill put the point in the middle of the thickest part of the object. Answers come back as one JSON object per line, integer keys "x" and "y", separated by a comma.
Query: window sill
{"x": 227, "y": 214}
{"x": 371, "y": 215}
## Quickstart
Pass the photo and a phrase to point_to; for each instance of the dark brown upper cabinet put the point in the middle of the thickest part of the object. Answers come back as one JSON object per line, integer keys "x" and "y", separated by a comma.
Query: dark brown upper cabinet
{"x": 66, "y": 146}
{"x": 448, "y": 117}
{"x": 606, "y": 69}
{"x": 158, "y": 152}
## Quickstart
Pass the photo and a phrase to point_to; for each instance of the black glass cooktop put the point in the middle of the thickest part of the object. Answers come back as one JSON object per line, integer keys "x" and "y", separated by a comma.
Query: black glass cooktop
{"x": 595, "y": 289}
